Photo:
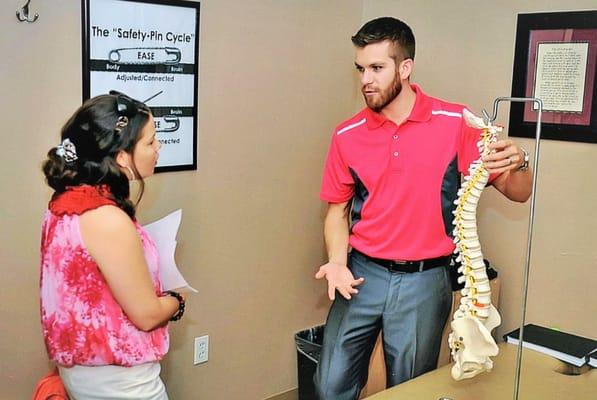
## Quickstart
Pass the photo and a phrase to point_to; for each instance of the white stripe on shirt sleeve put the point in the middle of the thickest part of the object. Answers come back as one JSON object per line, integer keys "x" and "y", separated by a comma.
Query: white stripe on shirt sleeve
{"x": 349, "y": 127}
{"x": 447, "y": 113}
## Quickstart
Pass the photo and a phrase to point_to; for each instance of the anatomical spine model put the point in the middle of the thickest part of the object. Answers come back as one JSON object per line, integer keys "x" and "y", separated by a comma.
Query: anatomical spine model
{"x": 470, "y": 341}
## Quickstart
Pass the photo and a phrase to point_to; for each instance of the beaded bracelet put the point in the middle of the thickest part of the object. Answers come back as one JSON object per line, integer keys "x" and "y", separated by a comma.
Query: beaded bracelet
{"x": 181, "y": 303}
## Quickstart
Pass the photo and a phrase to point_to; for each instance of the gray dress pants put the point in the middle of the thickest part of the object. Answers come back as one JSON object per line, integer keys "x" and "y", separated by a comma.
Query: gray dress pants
{"x": 409, "y": 308}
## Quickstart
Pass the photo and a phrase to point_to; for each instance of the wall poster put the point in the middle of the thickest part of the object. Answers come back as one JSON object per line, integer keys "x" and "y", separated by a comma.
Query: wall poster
{"x": 149, "y": 50}
{"x": 555, "y": 60}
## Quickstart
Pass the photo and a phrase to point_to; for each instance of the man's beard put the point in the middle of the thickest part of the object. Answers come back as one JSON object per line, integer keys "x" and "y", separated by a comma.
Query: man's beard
{"x": 384, "y": 97}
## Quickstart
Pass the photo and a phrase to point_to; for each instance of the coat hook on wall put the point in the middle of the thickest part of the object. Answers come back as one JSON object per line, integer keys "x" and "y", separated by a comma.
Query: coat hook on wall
{"x": 23, "y": 14}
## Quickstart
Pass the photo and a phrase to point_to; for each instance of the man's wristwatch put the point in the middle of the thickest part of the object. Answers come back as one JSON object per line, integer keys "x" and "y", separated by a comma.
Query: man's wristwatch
{"x": 525, "y": 161}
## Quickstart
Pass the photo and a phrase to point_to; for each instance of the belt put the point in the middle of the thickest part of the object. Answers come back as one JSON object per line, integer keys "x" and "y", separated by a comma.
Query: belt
{"x": 408, "y": 266}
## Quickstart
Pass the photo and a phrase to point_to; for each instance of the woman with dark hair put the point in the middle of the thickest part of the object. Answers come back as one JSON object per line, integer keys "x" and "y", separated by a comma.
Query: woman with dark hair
{"x": 103, "y": 312}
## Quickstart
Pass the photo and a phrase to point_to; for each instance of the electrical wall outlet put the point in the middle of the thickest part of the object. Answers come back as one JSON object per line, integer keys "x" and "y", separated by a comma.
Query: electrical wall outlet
{"x": 201, "y": 349}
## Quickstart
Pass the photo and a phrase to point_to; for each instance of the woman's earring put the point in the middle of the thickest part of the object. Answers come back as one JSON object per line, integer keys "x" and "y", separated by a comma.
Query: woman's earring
{"x": 133, "y": 176}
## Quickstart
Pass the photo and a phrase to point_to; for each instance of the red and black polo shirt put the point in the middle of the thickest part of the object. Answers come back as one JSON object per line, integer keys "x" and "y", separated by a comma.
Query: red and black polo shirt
{"x": 402, "y": 179}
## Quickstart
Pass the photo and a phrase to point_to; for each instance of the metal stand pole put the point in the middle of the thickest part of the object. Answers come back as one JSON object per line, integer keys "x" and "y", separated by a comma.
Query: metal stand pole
{"x": 525, "y": 286}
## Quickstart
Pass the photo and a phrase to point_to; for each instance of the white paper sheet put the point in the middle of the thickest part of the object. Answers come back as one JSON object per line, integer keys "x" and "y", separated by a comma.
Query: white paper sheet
{"x": 163, "y": 233}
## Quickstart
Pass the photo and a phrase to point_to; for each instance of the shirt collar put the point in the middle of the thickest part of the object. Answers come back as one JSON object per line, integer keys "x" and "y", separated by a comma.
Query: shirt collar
{"x": 421, "y": 110}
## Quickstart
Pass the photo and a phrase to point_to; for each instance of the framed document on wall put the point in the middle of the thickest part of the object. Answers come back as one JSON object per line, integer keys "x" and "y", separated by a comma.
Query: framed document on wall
{"x": 149, "y": 50}
{"x": 555, "y": 60}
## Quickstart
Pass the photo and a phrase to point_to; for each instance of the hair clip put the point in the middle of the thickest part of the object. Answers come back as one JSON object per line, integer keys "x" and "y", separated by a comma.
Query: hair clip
{"x": 67, "y": 151}
{"x": 121, "y": 123}
{"x": 125, "y": 105}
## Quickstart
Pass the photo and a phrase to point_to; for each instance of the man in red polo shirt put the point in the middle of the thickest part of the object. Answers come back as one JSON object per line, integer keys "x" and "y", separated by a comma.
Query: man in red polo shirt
{"x": 395, "y": 167}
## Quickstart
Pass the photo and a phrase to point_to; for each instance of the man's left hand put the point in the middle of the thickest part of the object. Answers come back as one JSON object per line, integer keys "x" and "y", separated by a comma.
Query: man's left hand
{"x": 505, "y": 156}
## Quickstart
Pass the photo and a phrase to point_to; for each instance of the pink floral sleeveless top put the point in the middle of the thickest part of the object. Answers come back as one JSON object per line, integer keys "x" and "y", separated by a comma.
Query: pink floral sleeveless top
{"x": 82, "y": 322}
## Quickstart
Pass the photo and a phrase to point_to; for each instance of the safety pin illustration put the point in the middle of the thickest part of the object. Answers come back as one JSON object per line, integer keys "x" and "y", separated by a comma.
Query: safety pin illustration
{"x": 145, "y": 55}
{"x": 23, "y": 14}
{"x": 170, "y": 119}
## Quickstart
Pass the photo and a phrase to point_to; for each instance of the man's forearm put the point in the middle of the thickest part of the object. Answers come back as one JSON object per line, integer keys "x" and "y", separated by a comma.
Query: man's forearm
{"x": 515, "y": 185}
{"x": 336, "y": 233}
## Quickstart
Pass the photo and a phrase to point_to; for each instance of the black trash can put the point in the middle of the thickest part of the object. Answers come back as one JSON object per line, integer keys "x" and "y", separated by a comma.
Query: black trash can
{"x": 308, "y": 351}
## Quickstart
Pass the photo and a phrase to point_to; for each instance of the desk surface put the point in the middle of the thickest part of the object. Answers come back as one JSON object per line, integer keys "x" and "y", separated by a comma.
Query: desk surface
{"x": 538, "y": 381}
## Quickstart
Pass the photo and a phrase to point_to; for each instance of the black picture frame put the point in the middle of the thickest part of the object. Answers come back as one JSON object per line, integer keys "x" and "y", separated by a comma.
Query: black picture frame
{"x": 532, "y": 31}
{"x": 187, "y": 112}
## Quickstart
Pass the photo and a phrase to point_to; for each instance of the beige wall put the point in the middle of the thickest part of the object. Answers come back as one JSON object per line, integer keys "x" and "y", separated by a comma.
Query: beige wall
{"x": 40, "y": 85}
{"x": 465, "y": 52}
{"x": 273, "y": 85}
{"x": 276, "y": 77}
